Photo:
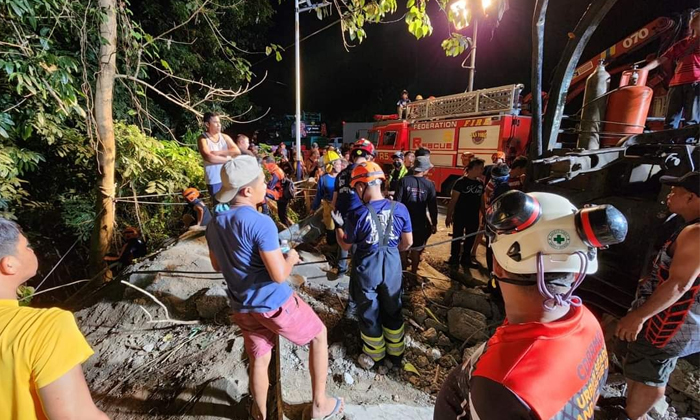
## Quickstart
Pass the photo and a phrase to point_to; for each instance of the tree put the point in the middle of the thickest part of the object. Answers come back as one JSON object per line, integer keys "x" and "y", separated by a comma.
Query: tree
{"x": 66, "y": 63}
{"x": 354, "y": 14}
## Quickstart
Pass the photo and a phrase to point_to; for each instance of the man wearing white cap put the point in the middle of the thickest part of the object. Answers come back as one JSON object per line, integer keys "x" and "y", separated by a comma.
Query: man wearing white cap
{"x": 244, "y": 246}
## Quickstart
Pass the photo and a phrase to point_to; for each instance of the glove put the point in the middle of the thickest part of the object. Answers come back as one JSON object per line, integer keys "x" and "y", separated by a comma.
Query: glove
{"x": 337, "y": 218}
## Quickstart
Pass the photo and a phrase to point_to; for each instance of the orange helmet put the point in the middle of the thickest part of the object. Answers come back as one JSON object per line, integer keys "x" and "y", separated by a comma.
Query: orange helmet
{"x": 190, "y": 193}
{"x": 130, "y": 232}
{"x": 498, "y": 155}
{"x": 367, "y": 172}
{"x": 362, "y": 147}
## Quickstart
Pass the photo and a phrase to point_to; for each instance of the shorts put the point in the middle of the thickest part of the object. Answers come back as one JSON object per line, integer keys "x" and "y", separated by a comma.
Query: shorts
{"x": 294, "y": 320}
{"x": 421, "y": 236}
{"x": 648, "y": 364}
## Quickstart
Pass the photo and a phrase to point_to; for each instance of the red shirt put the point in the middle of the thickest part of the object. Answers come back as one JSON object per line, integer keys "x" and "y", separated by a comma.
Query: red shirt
{"x": 687, "y": 53}
{"x": 552, "y": 370}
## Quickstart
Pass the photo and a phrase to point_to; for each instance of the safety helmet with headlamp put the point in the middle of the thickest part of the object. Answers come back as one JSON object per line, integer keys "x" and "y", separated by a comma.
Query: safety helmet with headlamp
{"x": 525, "y": 225}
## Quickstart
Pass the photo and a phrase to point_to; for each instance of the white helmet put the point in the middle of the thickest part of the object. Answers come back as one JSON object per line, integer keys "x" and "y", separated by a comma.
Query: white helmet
{"x": 541, "y": 233}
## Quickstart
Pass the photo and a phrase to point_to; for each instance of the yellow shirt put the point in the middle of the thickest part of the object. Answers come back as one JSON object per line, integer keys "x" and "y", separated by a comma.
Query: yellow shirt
{"x": 37, "y": 346}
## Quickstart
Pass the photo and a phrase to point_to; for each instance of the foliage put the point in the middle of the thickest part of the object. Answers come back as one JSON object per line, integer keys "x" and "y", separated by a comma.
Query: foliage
{"x": 24, "y": 295}
{"x": 356, "y": 13}
{"x": 153, "y": 166}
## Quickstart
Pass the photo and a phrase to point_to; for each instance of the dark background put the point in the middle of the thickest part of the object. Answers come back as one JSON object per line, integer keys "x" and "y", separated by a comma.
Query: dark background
{"x": 367, "y": 80}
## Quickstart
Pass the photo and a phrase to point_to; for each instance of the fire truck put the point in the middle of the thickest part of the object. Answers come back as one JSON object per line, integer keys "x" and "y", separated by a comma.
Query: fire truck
{"x": 481, "y": 122}
{"x": 489, "y": 120}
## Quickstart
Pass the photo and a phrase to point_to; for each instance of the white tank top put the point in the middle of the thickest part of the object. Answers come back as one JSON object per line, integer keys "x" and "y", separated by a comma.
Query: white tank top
{"x": 212, "y": 171}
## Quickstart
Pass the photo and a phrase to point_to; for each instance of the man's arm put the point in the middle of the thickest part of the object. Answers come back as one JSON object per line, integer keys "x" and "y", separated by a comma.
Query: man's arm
{"x": 684, "y": 270}
{"x": 200, "y": 214}
{"x": 208, "y": 155}
{"x": 278, "y": 266}
{"x": 340, "y": 237}
{"x": 451, "y": 207}
{"x": 233, "y": 149}
{"x": 655, "y": 63}
{"x": 432, "y": 207}
{"x": 214, "y": 261}
{"x": 406, "y": 241}
{"x": 68, "y": 398}
{"x": 335, "y": 197}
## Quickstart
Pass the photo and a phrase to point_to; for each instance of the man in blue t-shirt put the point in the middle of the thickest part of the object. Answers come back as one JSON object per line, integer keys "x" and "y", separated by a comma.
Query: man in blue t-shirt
{"x": 379, "y": 230}
{"x": 244, "y": 246}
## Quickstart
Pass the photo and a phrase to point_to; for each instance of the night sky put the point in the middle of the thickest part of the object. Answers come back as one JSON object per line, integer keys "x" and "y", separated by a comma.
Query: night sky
{"x": 354, "y": 85}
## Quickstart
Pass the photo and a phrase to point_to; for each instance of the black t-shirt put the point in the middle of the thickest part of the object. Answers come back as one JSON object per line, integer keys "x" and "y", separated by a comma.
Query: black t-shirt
{"x": 469, "y": 200}
{"x": 418, "y": 194}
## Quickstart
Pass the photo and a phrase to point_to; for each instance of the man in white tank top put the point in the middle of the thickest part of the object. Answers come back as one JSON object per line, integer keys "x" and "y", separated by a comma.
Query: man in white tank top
{"x": 216, "y": 149}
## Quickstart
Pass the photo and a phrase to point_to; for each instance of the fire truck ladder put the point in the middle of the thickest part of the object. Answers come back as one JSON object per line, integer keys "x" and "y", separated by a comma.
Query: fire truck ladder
{"x": 498, "y": 100}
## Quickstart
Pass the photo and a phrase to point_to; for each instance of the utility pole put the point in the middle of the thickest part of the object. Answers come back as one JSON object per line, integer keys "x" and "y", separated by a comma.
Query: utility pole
{"x": 472, "y": 63}
{"x": 297, "y": 66}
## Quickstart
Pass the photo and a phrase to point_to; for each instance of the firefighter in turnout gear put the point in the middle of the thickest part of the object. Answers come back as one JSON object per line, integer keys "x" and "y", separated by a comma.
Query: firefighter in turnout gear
{"x": 379, "y": 229}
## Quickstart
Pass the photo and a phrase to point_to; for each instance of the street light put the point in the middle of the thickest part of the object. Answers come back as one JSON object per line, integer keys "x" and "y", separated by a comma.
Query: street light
{"x": 297, "y": 58}
{"x": 461, "y": 16}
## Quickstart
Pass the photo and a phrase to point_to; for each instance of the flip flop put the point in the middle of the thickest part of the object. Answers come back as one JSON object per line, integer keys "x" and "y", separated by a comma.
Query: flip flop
{"x": 306, "y": 415}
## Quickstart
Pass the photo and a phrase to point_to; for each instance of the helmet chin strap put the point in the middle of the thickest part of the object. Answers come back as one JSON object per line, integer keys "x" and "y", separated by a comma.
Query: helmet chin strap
{"x": 559, "y": 299}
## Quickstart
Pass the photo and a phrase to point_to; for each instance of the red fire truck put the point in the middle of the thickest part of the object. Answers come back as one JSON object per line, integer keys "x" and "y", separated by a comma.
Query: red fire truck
{"x": 481, "y": 122}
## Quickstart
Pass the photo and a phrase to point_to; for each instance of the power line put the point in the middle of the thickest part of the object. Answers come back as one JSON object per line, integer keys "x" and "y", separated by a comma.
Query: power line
{"x": 302, "y": 40}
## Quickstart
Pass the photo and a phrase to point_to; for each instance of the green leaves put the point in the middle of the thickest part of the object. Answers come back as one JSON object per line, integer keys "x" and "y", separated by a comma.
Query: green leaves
{"x": 418, "y": 21}
{"x": 276, "y": 49}
{"x": 456, "y": 44}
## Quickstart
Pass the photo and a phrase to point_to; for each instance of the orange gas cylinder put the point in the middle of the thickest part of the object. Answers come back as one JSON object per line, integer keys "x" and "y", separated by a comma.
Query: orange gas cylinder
{"x": 628, "y": 108}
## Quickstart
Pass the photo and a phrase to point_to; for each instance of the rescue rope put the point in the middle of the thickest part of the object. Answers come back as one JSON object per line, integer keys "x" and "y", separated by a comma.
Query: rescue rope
{"x": 418, "y": 248}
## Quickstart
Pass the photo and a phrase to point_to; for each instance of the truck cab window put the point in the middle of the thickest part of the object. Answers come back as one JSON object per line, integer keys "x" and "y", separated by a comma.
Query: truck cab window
{"x": 389, "y": 138}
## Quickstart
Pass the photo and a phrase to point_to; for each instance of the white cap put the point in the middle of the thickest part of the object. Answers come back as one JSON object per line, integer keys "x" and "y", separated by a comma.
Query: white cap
{"x": 236, "y": 173}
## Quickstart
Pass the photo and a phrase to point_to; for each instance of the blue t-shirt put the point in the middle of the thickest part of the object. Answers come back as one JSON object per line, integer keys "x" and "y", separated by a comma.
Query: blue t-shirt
{"x": 236, "y": 238}
{"x": 348, "y": 200}
{"x": 324, "y": 190}
{"x": 360, "y": 228}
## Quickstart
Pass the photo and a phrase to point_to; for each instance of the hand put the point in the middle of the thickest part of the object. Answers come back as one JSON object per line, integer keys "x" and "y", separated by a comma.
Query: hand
{"x": 433, "y": 229}
{"x": 292, "y": 257}
{"x": 629, "y": 327}
{"x": 448, "y": 221}
{"x": 337, "y": 218}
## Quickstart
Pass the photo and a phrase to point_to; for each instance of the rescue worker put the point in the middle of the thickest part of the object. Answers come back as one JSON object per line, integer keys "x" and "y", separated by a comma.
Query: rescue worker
{"x": 274, "y": 185}
{"x": 397, "y": 173}
{"x": 496, "y": 158}
{"x": 324, "y": 193}
{"x": 345, "y": 200}
{"x": 684, "y": 87}
{"x": 282, "y": 151}
{"x": 134, "y": 247}
{"x": 548, "y": 360}
{"x": 418, "y": 194}
{"x": 664, "y": 322}
{"x": 194, "y": 204}
{"x": 402, "y": 105}
{"x": 379, "y": 229}
{"x": 216, "y": 149}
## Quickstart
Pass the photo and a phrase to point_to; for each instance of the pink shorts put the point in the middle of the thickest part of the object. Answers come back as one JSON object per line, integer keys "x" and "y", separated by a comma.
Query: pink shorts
{"x": 294, "y": 320}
